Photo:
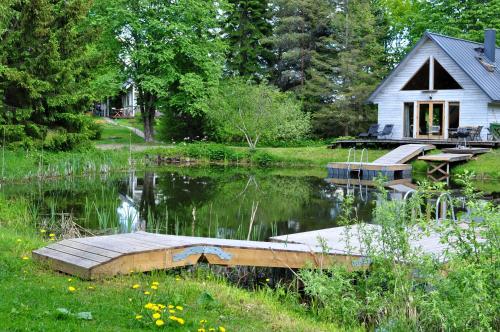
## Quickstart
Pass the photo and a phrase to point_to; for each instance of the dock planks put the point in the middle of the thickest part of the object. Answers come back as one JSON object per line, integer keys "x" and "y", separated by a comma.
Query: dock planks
{"x": 101, "y": 256}
{"x": 403, "y": 153}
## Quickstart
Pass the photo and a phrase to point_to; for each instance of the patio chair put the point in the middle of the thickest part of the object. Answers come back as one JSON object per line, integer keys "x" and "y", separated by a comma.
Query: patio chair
{"x": 372, "y": 132}
{"x": 463, "y": 133}
{"x": 475, "y": 133}
{"x": 387, "y": 131}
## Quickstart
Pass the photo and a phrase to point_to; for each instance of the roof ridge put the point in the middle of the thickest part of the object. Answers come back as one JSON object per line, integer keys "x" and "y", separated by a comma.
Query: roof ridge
{"x": 456, "y": 38}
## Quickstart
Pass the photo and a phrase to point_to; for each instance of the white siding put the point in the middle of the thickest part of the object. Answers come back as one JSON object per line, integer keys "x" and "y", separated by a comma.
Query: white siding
{"x": 473, "y": 101}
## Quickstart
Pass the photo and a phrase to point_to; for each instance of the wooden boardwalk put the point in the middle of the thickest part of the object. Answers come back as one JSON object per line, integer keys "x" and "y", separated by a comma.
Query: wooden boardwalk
{"x": 100, "y": 256}
{"x": 403, "y": 153}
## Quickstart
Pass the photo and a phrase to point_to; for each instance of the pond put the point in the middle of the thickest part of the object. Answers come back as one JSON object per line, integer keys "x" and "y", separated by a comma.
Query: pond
{"x": 225, "y": 202}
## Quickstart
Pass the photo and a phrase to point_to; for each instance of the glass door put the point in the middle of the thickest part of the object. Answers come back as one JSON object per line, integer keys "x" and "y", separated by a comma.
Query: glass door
{"x": 430, "y": 120}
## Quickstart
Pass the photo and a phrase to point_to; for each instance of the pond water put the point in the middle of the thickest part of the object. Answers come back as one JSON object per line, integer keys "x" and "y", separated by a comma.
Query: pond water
{"x": 198, "y": 201}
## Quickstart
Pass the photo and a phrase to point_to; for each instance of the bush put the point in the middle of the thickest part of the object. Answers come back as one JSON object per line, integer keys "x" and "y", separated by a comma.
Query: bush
{"x": 67, "y": 142}
{"x": 79, "y": 123}
{"x": 12, "y": 133}
{"x": 36, "y": 131}
{"x": 263, "y": 158}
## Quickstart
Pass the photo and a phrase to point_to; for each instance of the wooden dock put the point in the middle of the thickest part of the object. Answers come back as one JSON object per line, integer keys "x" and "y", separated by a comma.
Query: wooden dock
{"x": 439, "y": 164}
{"x": 100, "y": 256}
{"x": 391, "y": 165}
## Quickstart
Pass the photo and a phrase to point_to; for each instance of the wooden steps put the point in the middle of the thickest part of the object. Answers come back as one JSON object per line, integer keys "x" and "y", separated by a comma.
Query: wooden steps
{"x": 100, "y": 256}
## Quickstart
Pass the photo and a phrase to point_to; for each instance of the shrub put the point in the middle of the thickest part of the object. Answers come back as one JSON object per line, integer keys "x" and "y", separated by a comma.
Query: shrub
{"x": 67, "y": 142}
{"x": 35, "y": 130}
{"x": 79, "y": 123}
{"x": 263, "y": 158}
{"x": 12, "y": 133}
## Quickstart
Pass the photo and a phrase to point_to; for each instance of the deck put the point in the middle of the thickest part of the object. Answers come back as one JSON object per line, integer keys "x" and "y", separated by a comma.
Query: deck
{"x": 101, "y": 256}
{"x": 439, "y": 164}
{"x": 390, "y": 143}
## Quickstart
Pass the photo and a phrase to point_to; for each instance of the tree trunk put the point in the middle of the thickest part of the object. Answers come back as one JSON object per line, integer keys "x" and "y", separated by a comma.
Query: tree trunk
{"x": 147, "y": 102}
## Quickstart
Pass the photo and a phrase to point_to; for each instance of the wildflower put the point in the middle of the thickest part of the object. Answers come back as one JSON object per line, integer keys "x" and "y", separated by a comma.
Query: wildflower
{"x": 155, "y": 283}
{"x": 154, "y": 287}
{"x": 70, "y": 280}
{"x": 177, "y": 279}
{"x": 91, "y": 287}
{"x": 159, "y": 322}
{"x": 180, "y": 321}
{"x": 149, "y": 305}
{"x": 136, "y": 286}
{"x": 172, "y": 318}
{"x": 267, "y": 280}
{"x": 201, "y": 330}
{"x": 179, "y": 308}
{"x": 203, "y": 321}
{"x": 155, "y": 308}
{"x": 19, "y": 240}
{"x": 170, "y": 306}
{"x": 52, "y": 235}
{"x": 138, "y": 317}
{"x": 43, "y": 231}
{"x": 172, "y": 311}
{"x": 161, "y": 306}
{"x": 211, "y": 329}
{"x": 222, "y": 329}
{"x": 147, "y": 293}
{"x": 71, "y": 288}
{"x": 156, "y": 315}
{"x": 25, "y": 258}
{"x": 129, "y": 299}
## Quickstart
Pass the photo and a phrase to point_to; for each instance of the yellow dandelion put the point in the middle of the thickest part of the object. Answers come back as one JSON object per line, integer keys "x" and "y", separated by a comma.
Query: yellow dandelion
{"x": 71, "y": 288}
{"x": 149, "y": 305}
{"x": 171, "y": 311}
{"x": 180, "y": 321}
{"x": 201, "y": 330}
{"x": 156, "y": 315}
{"x": 267, "y": 280}
{"x": 203, "y": 321}
{"x": 154, "y": 287}
{"x": 19, "y": 240}
{"x": 155, "y": 308}
{"x": 70, "y": 280}
{"x": 170, "y": 306}
{"x": 52, "y": 239}
{"x": 155, "y": 283}
{"x": 138, "y": 317}
{"x": 159, "y": 322}
{"x": 179, "y": 307}
{"x": 136, "y": 286}
{"x": 147, "y": 293}
{"x": 222, "y": 329}
{"x": 212, "y": 329}
{"x": 52, "y": 235}
{"x": 161, "y": 306}
{"x": 43, "y": 231}
{"x": 177, "y": 279}
{"x": 25, "y": 258}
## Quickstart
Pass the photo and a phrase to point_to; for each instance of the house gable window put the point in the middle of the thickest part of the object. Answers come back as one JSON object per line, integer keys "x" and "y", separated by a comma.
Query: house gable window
{"x": 419, "y": 81}
{"x": 439, "y": 80}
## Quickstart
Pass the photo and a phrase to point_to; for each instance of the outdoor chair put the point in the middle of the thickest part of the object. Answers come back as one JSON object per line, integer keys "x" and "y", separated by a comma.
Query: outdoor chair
{"x": 387, "y": 131}
{"x": 452, "y": 133}
{"x": 372, "y": 132}
{"x": 463, "y": 133}
{"x": 475, "y": 133}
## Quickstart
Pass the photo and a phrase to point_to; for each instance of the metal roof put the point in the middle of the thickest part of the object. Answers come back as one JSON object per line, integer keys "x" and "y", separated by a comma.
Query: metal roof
{"x": 465, "y": 55}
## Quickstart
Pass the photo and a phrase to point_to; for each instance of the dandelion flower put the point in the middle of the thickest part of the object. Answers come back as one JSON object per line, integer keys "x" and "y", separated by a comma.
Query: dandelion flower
{"x": 155, "y": 283}
{"x": 19, "y": 240}
{"x": 211, "y": 329}
{"x": 147, "y": 293}
{"x": 171, "y": 311}
{"x": 138, "y": 317}
{"x": 154, "y": 287}
{"x": 155, "y": 308}
{"x": 156, "y": 315}
{"x": 159, "y": 322}
{"x": 201, "y": 330}
{"x": 70, "y": 280}
{"x": 149, "y": 305}
{"x": 25, "y": 258}
{"x": 179, "y": 307}
{"x": 71, "y": 288}
{"x": 52, "y": 235}
{"x": 43, "y": 231}
{"x": 203, "y": 321}
{"x": 172, "y": 318}
{"x": 267, "y": 280}
{"x": 170, "y": 306}
{"x": 222, "y": 329}
{"x": 136, "y": 286}
{"x": 180, "y": 321}
{"x": 177, "y": 279}
{"x": 161, "y": 306}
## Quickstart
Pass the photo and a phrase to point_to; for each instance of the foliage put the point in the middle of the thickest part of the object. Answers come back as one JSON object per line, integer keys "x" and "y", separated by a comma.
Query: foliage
{"x": 247, "y": 24}
{"x": 243, "y": 110}
{"x": 420, "y": 294}
{"x": 172, "y": 64}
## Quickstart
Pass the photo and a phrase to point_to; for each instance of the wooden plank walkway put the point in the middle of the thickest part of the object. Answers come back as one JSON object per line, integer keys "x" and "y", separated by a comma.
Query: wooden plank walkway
{"x": 403, "y": 153}
{"x": 100, "y": 256}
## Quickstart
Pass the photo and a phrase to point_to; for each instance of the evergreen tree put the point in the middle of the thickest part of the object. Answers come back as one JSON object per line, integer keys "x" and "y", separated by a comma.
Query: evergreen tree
{"x": 247, "y": 24}
{"x": 51, "y": 59}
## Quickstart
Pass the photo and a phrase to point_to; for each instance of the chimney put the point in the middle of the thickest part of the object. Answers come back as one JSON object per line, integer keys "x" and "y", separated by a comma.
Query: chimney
{"x": 490, "y": 44}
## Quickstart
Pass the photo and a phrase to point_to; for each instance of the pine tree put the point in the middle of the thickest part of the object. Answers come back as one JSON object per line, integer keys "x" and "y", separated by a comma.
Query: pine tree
{"x": 247, "y": 24}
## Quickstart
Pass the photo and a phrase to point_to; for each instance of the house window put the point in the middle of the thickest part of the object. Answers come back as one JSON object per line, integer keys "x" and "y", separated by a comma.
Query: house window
{"x": 419, "y": 81}
{"x": 453, "y": 115}
{"x": 442, "y": 79}
{"x": 422, "y": 80}
{"x": 408, "y": 120}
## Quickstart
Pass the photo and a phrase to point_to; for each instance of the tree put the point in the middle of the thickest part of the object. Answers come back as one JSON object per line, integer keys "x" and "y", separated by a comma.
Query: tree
{"x": 50, "y": 59}
{"x": 254, "y": 112}
{"x": 172, "y": 52}
{"x": 247, "y": 24}
{"x": 358, "y": 68}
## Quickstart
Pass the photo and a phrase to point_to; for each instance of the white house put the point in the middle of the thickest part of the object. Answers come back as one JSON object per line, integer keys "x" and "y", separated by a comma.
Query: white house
{"x": 443, "y": 83}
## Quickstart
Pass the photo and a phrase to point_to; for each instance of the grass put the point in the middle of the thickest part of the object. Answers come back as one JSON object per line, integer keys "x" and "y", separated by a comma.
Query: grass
{"x": 31, "y": 294}
{"x": 132, "y": 122}
{"x": 113, "y": 134}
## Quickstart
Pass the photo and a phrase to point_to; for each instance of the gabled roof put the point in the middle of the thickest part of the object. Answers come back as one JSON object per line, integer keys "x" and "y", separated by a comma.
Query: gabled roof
{"x": 464, "y": 53}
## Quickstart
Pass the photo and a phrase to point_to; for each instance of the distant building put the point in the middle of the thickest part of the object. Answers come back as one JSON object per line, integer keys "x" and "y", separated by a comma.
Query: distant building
{"x": 443, "y": 83}
{"x": 122, "y": 105}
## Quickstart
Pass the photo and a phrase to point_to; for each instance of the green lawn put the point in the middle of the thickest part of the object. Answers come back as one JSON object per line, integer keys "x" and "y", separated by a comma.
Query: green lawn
{"x": 113, "y": 134}
{"x": 132, "y": 122}
{"x": 31, "y": 294}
